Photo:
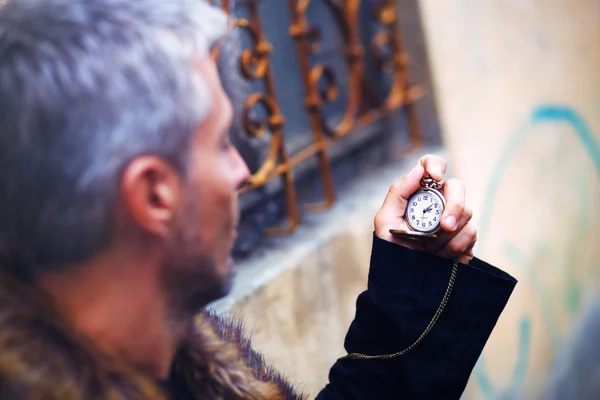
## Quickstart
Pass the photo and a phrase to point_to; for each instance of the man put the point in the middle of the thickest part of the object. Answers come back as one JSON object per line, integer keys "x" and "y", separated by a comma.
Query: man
{"x": 118, "y": 211}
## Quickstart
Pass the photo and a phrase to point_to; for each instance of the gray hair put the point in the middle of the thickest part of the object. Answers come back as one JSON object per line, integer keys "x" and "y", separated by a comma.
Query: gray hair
{"x": 85, "y": 87}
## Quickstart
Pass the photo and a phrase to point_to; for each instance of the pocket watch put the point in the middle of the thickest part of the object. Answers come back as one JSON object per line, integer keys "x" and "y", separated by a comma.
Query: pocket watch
{"x": 423, "y": 212}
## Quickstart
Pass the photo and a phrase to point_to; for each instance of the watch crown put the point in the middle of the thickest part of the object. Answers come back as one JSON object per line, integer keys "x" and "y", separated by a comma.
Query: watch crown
{"x": 430, "y": 183}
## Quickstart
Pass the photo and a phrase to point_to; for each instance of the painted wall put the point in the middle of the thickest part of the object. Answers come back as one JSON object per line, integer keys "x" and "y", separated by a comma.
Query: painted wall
{"x": 517, "y": 84}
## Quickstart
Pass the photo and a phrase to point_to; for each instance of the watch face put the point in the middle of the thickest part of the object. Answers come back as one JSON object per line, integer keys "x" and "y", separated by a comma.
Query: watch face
{"x": 424, "y": 211}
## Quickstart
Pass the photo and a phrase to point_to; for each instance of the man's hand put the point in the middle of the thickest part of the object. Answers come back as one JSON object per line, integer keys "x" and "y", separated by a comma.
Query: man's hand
{"x": 457, "y": 237}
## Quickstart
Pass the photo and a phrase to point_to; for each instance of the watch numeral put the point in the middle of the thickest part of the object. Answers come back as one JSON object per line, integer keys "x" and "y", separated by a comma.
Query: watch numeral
{"x": 414, "y": 204}
{"x": 437, "y": 212}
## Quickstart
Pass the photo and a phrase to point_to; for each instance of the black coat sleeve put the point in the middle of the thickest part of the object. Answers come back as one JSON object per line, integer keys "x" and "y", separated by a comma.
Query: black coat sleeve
{"x": 404, "y": 291}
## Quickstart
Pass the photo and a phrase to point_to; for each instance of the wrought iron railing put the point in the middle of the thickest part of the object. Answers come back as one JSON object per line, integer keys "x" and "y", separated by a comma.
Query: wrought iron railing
{"x": 375, "y": 83}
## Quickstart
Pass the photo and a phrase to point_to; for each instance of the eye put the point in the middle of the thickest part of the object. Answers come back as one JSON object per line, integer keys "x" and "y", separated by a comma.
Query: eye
{"x": 226, "y": 143}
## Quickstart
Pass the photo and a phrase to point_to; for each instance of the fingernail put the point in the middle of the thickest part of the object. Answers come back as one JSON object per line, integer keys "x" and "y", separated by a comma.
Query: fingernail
{"x": 452, "y": 223}
{"x": 438, "y": 171}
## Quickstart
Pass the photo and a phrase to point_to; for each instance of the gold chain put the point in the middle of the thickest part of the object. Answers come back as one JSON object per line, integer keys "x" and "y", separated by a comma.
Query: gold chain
{"x": 436, "y": 316}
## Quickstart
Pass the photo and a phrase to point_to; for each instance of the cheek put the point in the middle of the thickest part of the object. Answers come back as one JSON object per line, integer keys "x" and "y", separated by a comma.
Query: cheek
{"x": 218, "y": 178}
{"x": 216, "y": 187}
{"x": 217, "y": 199}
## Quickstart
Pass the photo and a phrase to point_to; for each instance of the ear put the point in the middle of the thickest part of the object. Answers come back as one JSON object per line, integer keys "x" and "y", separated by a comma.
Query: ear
{"x": 151, "y": 193}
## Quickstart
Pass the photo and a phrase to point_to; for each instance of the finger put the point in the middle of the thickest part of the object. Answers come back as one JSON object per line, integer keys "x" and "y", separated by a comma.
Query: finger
{"x": 397, "y": 197}
{"x": 444, "y": 237}
{"x": 454, "y": 191}
{"x": 466, "y": 258}
{"x": 434, "y": 165}
{"x": 460, "y": 244}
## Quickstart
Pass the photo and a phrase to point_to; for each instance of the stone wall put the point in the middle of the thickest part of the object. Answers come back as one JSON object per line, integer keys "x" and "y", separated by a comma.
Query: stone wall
{"x": 518, "y": 91}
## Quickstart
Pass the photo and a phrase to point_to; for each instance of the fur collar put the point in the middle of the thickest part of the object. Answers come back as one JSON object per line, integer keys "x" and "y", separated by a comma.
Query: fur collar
{"x": 41, "y": 356}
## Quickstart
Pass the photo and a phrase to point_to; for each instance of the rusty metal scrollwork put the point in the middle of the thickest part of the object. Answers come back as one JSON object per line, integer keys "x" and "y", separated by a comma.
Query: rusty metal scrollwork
{"x": 321, "y": 87}
{"x": 307, "y": 43}
{"x": 395, "y": 62}
{"x": 255, "y": 64}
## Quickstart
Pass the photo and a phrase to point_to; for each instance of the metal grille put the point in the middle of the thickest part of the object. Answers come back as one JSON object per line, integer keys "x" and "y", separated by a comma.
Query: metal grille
{"x": 337, "y": 67}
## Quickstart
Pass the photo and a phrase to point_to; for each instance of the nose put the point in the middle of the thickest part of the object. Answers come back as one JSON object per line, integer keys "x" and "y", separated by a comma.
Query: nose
{"x": 242, "y": 172}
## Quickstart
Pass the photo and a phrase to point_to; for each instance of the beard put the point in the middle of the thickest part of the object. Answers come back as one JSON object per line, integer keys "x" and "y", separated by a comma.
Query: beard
{"x": 192, "y": 279}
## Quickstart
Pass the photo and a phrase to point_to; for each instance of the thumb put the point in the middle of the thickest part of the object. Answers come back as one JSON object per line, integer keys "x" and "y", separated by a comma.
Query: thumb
{"x": 397, "y": 197}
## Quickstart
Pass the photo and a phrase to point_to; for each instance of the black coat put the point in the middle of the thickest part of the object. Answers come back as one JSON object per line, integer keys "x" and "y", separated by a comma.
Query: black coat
{"x": 405, "y": 290}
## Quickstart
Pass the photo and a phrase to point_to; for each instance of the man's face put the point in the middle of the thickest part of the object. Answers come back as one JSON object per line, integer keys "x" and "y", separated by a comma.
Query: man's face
{"x": 199, "y": 267}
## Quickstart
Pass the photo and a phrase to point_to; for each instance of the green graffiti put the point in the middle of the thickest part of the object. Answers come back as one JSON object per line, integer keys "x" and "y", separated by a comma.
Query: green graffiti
{"x": 573, "y": 300}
